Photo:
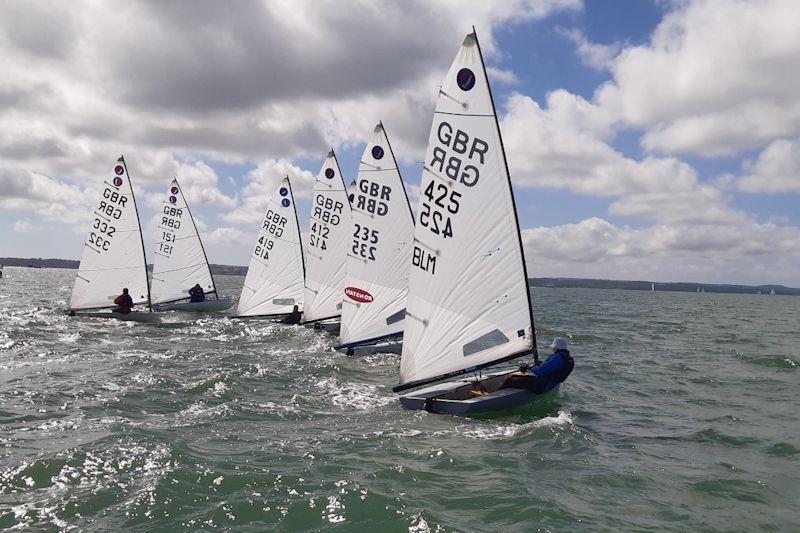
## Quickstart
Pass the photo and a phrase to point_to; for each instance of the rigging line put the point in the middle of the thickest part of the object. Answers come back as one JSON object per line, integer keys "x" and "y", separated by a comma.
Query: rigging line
{"x": 92, "y": 248}
{"x": 462, "y": 114}
{"x": 463, "y": 104}
{"x": 429, "y": 247}
{"x": 137, "y": 267}
{"x": 181, "y": 268}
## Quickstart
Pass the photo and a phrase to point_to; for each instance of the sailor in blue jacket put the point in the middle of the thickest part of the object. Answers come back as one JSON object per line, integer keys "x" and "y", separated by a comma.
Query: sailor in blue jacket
{"x": 546, "y": 376}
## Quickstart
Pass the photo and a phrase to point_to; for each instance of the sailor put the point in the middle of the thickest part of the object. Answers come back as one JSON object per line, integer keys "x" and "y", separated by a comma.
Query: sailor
{"x": 293, "y": 317}
{"x": 546, "y": 376}
{"x": 124, "y": 303}
{"x": 196, "y": 293}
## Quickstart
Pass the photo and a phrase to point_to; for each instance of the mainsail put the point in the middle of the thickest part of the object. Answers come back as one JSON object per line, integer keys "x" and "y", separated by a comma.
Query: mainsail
{"x": 379, "y": 250}
{"x": 468, "y": 303}
{"x": 328, "y": 239}
{"x": 113, "y": 254}
{"x": 276, "y": 275}
{"x": 180, "y": 261}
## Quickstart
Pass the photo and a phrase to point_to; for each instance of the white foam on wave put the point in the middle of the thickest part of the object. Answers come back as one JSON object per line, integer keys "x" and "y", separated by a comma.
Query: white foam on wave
{"x": 357, "y": 395}
{"x": 489, "y": 431}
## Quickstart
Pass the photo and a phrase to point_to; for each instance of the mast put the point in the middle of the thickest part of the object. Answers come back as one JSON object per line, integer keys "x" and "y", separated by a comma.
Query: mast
{"x": 534, "y": 347}
{"x": 202, "y": 248}
{"x": 468, "y": 276}
{"x": 139, "y": 222}
{"x": 297, "y": 221}
{"x": 402, "y": 182}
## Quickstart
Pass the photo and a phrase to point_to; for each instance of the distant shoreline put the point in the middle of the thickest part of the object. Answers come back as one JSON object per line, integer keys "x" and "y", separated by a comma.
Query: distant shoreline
{"x": 560, "y": 283}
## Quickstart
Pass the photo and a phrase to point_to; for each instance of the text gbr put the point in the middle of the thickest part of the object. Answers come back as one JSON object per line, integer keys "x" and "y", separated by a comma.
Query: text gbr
{"x": 460, "y": 158}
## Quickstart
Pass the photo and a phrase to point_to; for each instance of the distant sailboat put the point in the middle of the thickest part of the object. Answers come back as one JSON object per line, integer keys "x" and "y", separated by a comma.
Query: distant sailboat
{"x": 652, "y": 287}
{"x": 772, "y": 292}
{"x": 376, "y": 282}
{"x": 469, "y": 302}
{"x": 328, "y": 241}
{"x": 180, "y": 260}
{"x": 275, "y": 280}
{"x": 113, "y": 254}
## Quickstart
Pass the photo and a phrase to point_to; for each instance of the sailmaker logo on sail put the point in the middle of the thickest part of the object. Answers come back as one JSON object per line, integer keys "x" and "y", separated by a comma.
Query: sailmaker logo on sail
{"x": 358, "y": 295}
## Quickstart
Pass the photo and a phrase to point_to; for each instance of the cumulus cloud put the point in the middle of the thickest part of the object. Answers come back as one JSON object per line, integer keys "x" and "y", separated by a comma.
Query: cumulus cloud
{"x": 716, "y": 78}
{"x": 777, "y": 169}
{"x": 24, "y": 227}
{"x": 597, "y": 56}
{"x": 261, "y": 183}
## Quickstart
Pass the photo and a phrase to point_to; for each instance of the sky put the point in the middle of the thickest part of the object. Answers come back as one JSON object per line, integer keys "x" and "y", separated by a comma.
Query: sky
{"x": 655, "y": 140}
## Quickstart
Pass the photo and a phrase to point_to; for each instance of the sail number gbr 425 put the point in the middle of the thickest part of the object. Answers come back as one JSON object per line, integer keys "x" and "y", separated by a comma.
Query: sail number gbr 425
{"x": 459, "y": 157}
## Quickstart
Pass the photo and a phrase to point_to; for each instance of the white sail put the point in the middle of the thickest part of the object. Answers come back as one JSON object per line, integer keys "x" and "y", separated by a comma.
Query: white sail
{"x": 113, "y": 254}
{"x": 379, "y": 251}
{"x": 275, "y": 280}
{"x": 468, "y": 302}
{"x": 328, "y": 242}
{"x": 179, "y": 261}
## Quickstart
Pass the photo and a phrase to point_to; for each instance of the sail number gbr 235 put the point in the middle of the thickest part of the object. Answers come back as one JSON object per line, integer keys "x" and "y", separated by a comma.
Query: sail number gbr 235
{"x": 456, "y": 156}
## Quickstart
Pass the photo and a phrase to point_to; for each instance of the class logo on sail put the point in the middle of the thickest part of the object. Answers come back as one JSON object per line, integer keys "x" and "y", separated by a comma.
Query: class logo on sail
{"x": 358, "y": 295}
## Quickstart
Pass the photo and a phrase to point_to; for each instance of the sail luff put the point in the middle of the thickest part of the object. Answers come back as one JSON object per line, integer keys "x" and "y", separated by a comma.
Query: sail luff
{"x": 180, "y": 260}
{"x": 469, "y": 299}
{"x": 139, "y": 222}
{"x": 534, "y": 348}
{"x": 275, "y": 280}
{"x": 380, "y": 246}
{"x": 202, "y": 248}
{"x": 329, "y": 226}
{"x": 113, "y": 254}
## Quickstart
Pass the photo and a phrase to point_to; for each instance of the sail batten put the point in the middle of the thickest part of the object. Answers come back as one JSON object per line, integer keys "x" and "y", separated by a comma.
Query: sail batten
{"x": 180, "y": 260}
{"x": 329, "y": 232}
{"x": 469, "y": 302}
{"x": 275, "y": 280}
{"x": 382, "y": 227}
{"x": 113, "y": 254}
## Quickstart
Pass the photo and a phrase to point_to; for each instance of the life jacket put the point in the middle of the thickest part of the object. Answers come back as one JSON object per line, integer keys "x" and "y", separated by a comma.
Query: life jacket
{"x": 569, "y": 364}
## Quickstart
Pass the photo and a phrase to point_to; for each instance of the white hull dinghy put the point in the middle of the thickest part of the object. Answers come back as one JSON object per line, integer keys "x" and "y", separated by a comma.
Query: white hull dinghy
{"x": 275, "y": 280}
{"x": 180, "y": 260}
{"x": 472, "y": 397}
{"x": 113, "y": 255}
{"x": 329, "y": 238}
{"x": 469, "y": 304}
{"x": 207, "y": 306}
{"x": 133, "y": 316}
{"x": 379, "y": 254}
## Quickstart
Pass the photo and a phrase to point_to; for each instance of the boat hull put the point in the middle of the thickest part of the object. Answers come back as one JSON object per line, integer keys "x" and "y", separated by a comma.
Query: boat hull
{"x": 207, "y": 306}
{"x": 454, "y": 398}
{"x": 369, "y": 349}
{"x": 133, "y": 316}
{"x": 330, "y": 326}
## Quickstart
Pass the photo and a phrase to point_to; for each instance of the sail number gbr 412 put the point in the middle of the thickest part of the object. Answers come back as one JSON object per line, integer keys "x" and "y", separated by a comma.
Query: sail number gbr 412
{"x": 458, "y": 157}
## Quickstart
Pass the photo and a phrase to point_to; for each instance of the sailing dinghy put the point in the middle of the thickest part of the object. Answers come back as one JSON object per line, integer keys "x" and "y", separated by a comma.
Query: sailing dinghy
{"x": 378, "y": 255}
{"x": 469, "y": 302}
{"x": 275, "y": 280}
{"x": 180, "y": 260}
{"x": 328, "y": 240}
{"x": 113, "y": 255}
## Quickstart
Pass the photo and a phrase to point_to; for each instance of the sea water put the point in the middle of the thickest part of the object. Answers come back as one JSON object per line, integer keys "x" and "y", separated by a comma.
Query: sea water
{"x": 682, "y": 414}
